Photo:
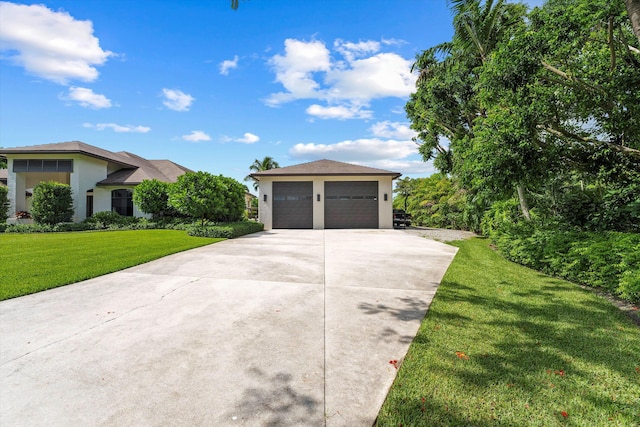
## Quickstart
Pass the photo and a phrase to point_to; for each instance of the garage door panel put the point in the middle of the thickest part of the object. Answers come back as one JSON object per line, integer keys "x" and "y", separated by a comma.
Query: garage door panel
{"x": 351, "y": 204}
{"x": 293, "y": 204}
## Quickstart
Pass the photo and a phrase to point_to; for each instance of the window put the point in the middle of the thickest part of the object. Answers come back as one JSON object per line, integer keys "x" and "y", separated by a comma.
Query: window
{"x": 38, "y": 165}
{"x": 122, "y": 202}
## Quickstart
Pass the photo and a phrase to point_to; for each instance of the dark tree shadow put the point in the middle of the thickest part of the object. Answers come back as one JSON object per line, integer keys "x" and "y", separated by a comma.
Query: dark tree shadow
{"x": 274, "y": 402}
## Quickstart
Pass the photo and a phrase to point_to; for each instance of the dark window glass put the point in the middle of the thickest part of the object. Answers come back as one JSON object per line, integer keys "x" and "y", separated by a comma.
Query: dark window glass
{"x": 20, "y": 165}
{"x": 89, "y": 205}
{"x": 65, "y": 165}
{"x": 38, "y": 165}
{"x": 35, "y": 165}
{"x": 49, "y": 165}
{"x": 122, "y": 202}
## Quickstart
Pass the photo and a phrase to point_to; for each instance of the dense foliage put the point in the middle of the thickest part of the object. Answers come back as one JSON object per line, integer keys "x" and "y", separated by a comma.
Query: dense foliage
{"x": 151, "y": 196}
{"x": 4, "y": 204}
{"x": 534, "y": 117}
{"x": 52, "y": 203}
{"x": 208, "y": 197}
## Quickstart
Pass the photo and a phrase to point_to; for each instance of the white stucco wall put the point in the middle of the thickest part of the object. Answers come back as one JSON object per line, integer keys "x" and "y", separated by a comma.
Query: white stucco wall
{"x": 385, "y": 208}
{"x": 87, "y": 171}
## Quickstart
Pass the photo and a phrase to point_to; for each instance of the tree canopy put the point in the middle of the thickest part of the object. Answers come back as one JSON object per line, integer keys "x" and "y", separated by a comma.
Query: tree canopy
{"x": 265, "y": 164}
{"x": 533, "y": 104}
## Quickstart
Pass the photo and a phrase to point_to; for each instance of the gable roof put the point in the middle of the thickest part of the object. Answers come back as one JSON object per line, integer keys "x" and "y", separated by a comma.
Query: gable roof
{"x": 162, "y": 170}
{"x": 134, "y": 169}
{"x": 326, "y": 167}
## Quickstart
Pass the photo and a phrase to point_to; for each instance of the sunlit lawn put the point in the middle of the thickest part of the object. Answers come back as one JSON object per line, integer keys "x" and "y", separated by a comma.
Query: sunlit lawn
{"x": 503, "y": 345}
{"x": 34, "y": 262}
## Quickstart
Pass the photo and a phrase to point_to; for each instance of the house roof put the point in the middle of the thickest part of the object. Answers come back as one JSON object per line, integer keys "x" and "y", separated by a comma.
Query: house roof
{"x": 162, "y": 170}
{"x": 134, "y": 169}
{"x": 325, "y": 167}
{"x": 72, "y": 147}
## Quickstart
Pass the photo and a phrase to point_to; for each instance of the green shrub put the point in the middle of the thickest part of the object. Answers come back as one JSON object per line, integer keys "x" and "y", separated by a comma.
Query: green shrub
{"x": 109, "y": 219}
{"x": 225, "y": 231}
{"x": 52, "y": 203}
{"x": 29, "y": 228}
{"x": 4, "y": 204}
{"x": 608, "y": 260}
{"x": 152, "y": 197}
{"x": 209, "y": 198}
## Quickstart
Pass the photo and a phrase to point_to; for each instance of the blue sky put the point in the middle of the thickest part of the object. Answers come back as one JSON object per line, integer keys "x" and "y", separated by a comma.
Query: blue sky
{"x": 213, "y": 89}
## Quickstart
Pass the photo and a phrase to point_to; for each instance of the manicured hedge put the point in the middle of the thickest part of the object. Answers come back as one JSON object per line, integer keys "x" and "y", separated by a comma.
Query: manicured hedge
{"x": 227, "y": 231}
{"x": 609, "y": 260}
{"x": 114, "y": 221}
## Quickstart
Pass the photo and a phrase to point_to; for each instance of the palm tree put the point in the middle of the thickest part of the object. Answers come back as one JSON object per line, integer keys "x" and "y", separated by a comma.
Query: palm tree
{"x": 259, "y": 166}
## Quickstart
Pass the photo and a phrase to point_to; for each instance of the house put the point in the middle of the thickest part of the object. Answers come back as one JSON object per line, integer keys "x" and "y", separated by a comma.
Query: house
{"x": 325, "y": 194}
{"x": 100, "y": 180}
{"x": 3, "y": 177}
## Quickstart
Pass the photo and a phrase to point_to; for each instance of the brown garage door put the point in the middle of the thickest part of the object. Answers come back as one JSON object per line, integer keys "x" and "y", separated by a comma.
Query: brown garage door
{"x": 293, "y": 204}
{"x": 351, "y": 204}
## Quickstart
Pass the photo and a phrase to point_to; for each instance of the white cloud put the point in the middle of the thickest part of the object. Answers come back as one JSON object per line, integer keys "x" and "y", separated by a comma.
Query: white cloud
{"x": 307, "y": 70}
{"x": 228, "y": 64}
{"x": 118, "y": 128}
{"x": 352, "y": 50}
{"x": 177, "y": 100}
{"x": 357, "y": 150}
{"x": 394, "y": 130}
{"x": 196, "y": 136}
{"x": 341, "y": 112}
{"x": 406, "y": 167}
{"x": 248, "y": 138}
{"x": 48, "y": 44}
{"x": 87, "y": 98}
{"x": 295, "y": 70}
{"x": 379, "y": 76}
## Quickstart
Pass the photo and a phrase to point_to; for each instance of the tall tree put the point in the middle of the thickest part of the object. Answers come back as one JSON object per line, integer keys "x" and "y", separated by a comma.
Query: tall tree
{"x": 633, "y": 9}
{"x": 446, "y": 107}
{"x": 261, "y": 165}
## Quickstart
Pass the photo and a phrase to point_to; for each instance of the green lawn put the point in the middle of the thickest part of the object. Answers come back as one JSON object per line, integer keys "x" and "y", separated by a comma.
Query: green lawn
{"x": 503, "y": 345}
{"x": 38, "y": 261}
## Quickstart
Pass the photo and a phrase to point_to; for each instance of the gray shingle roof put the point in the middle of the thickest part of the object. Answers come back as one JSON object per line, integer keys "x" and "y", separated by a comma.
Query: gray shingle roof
{"x": 134, "y": 170}
{"x": 325, "y": 167}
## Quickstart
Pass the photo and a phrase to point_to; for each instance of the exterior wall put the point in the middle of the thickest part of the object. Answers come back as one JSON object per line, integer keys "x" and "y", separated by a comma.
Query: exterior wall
{"x": 385, "y": 208}
{"x": 86, "y": 172}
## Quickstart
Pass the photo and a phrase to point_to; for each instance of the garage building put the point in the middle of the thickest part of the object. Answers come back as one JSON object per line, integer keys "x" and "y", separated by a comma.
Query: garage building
{"x": 326, "y": 194}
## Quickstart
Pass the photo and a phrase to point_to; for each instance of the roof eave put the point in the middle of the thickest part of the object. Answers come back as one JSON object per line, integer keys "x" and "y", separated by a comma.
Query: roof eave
{"x": 4, "y": 153}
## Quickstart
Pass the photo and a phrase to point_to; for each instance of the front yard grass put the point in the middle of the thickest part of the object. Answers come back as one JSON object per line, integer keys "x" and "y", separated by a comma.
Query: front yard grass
{"x": 38, "y": 261}
{"x": 503, "y": 345}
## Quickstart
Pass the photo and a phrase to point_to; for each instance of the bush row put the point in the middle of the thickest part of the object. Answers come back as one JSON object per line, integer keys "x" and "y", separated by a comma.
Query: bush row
{"x": 227, "y": 231}
{"x": 608, "y": 260}
{"x": 114, "y": 221}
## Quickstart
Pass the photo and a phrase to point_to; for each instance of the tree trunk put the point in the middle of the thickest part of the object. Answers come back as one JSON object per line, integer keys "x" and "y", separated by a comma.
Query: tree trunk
{"x": 523, "y": 203}
{"x": 633, "y": 9}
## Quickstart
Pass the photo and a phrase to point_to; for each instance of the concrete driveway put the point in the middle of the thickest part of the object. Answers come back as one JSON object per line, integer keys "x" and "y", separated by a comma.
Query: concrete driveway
{"x": 278, "y": 328}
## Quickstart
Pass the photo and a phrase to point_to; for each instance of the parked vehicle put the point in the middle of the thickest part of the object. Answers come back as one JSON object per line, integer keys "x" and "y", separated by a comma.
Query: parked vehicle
{"x": 401, "y": 218}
